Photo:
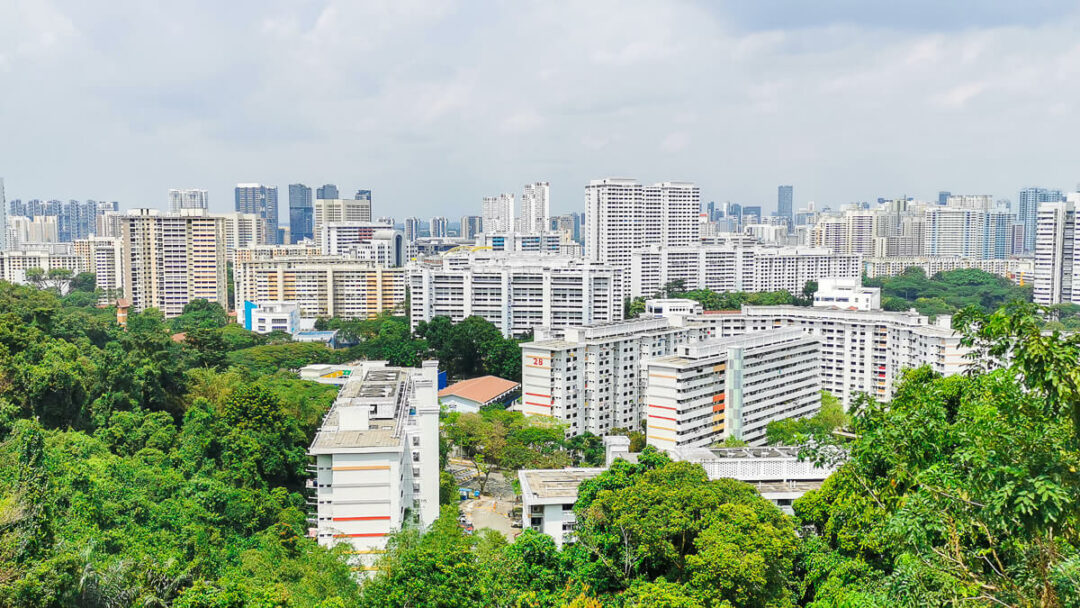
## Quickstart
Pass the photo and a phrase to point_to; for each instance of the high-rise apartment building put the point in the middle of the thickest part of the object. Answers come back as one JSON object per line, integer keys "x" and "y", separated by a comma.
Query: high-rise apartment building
{"x": 364, "y": 241}
{"x": 104, "y": 257}
{"x": 471, "y": 225}
{"x": 535, "y": 207}
{"x": 1056, "y": 267}
{"x": 727, "y": 388}
{"x": 943, "y": 197}
{"x": 515, "y": 292}
{"x": 188, "y": 198}
{"x": 785, "y": 203}
{"x": 3, "y": 217}
{"x": 854, "y": 232}
{"x": 1028, "y": 208}
{"x": 967, "y": 232}
{"x": 438, "y": 227}
{"x": 376, "y": 457}
{"x": 242, "y": 230}
{"x": 327, "y": 191}
{"x": 621, "y": 216}
{"x": 171, "y": 260}
{"x": 412, "y": 229}
{"x": 363, "y": 195}
{"x": 323, "y": 286}
{"x": 498, "y": 213}
{"x": 339, "y": 210}
{"x": 301, "y": 213}
{"x": 982, "y": 202}
{"x": 46, "y": 256}
{"x": 262, "y": 201}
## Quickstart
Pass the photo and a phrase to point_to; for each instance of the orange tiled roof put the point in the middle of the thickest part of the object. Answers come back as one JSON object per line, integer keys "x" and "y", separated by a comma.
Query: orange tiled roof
{"x": 482, "y": 390}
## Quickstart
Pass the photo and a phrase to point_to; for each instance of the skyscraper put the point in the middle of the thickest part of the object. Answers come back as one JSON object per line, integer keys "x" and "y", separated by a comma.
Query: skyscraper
{"x": 784, "y": 208}
{"x": 498, "y": 213}
{"x": 3, "y": 217}
{"x": 363, "y": 195}
{"x": 943, "y": 197}
{"x": 300, "y": 213}
{"x": 188, "y": 198}
{"x": 339, "y": 210}
{"x": 471, "y": 225}
{"x": 262, "y": 201}
{"x": 327, "y": 191}
{"x": 438, "y": 227}
{"x": 1055, "y": 250}
{"x": 1028, "y": 209}
{"x": 535, "y": 207}
{"x": 412, "y": 229}
{"x": 621, "y": 215}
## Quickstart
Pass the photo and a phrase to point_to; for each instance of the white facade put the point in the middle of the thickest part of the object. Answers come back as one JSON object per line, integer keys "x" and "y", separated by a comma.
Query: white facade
{"x": 188, "y": 198}
{"x": 339, "y": 210}
{"x": 535, "y": 207}
{"x": 365, "y": 241}
{"x": 171, "y": 260}
{"x": 498, "y": 213}
{"x": 593, "y": 377}
{"x": 242, "y": 230}
{"x": 377, "y": 459}
{"x": 622, "y": 216}
{"x": 724, "y": 268}
{"x": 854, "y": 232}
{"x": 438, "y": 227}
{"x": 968, "y": 232}
{"x": 515, "y": 292}
{"x": 323, "y": 286}
{"x": 733, "y": 387}
{"x": 537, "y": 242}
{"x": 274, "y": 316}
{"x": 971, "y": 201}
{"x": 1056, "y": 266}
{"x": 104, "y": 257}
{"x": 47, "y": 256}
{"x": 846, "y": 293}
{"x": 1021, "y": 271}
{"x": 22, "y": 230}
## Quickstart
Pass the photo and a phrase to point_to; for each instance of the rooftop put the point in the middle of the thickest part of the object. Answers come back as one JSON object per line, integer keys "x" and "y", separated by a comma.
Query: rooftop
{"x": 483, "y": 390}
{"x": 550, "y": 484}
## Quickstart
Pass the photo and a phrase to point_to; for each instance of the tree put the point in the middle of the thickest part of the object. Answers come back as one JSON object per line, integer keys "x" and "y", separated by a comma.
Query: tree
{"x": 200, "y": 314}
{"x": 84, "y": 281}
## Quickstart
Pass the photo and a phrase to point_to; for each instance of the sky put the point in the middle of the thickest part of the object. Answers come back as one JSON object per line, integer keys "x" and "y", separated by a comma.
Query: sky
{"x": 435, "y": 104}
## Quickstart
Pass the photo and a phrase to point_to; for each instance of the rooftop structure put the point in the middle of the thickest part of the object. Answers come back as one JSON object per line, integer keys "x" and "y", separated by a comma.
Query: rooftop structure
{"x": 472, "y": 394}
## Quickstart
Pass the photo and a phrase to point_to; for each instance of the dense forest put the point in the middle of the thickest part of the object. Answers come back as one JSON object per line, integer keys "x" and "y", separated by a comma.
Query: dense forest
{"x": 143, "y": 467}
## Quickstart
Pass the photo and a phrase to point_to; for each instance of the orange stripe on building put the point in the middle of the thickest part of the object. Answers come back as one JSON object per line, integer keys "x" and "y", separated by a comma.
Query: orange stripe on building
{"x": 718, "y": 408}
{"x": 661, "y": 376}
{"x": 661, "y": 428}
{"x": 718, "y": 398}
{"x": 661, "y": 438}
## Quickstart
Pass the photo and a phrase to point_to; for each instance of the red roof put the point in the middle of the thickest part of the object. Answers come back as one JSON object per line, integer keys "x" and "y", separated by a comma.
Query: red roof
{"x": 482, "y": 390}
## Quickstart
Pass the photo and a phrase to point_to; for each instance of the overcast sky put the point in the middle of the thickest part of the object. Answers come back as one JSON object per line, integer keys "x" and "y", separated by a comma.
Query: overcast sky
{"x": 432, "y": 105}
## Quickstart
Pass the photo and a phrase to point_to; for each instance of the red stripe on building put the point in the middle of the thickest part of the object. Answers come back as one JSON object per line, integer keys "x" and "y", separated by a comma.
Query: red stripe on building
{"x": 663, "y": 418}
{"x": 538, "y": 395}
{"x": 537, "y": 404}
{"x": 664, "y": 407}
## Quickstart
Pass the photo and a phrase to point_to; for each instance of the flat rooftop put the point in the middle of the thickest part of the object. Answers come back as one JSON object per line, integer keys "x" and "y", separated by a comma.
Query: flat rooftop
{"x": 551, "y": 484}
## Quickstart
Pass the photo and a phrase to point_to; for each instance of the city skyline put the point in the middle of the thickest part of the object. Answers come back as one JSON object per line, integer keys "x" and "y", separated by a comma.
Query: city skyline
{"x": 804, "y": 93}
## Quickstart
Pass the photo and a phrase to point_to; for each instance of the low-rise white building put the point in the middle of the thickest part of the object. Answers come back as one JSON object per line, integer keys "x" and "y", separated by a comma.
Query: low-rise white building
{"x": 266, "y": 317}
{"x": 733, "y": 387}
{"x": 515, "y": 292}
{"x": 847, "y": 293}
{"x": 376, "y": 459}
{"x": 47, "y": 256}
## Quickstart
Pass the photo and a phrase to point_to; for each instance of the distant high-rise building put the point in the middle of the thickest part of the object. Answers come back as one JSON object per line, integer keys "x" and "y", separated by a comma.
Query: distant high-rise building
{"x": 471, "y": 225}
{"x": 262, "y": 201}
{"x": 412, "y": 229}
{"x": 784, "y": 203}
{"x": 363, "y": 195}
{"x": 188, "y": 198}
{"x": 1027, "y": 211}
{"x": 438, "y": 227}
{"x": 751, "y": 214}
{"x": 498, "y": 213}
{"x": 535, "y": 207}
{"x": 621, "y": 215}
{"x": 301, "y": 213}
{"x": 3, "y": 217}
{"x": 943, "y": 197}
{"x": 339, "y": 210}
{"x": 967, "y": 232}
{"x": 327, "y": 191}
